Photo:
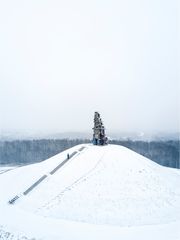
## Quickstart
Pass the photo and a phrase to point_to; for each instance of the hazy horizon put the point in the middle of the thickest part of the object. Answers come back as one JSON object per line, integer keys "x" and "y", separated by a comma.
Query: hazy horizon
{"x": 121, "y": 135}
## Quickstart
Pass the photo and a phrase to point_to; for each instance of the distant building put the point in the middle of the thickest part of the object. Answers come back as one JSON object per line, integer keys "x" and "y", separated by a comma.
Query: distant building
{"x": 99, "y": 136}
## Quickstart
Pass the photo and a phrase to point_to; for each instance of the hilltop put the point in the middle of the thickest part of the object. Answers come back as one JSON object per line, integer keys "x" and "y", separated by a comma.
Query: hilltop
{"x": 98, "y": 187}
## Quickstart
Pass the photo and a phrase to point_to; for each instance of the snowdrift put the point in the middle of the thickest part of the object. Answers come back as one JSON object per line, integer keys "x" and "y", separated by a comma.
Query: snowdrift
{"x": 96, "y": 185}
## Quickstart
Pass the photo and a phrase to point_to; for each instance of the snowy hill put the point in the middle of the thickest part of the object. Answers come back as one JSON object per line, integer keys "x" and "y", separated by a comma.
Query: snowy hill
{"x": 109, "y": 191}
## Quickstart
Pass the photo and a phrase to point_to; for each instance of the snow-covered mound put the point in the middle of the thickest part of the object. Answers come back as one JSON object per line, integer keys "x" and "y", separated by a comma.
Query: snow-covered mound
{"x": 98, "y": 185}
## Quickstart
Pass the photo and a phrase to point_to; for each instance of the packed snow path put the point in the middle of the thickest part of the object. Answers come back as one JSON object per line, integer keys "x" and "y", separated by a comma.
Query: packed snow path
{"x": 69, "y": 156}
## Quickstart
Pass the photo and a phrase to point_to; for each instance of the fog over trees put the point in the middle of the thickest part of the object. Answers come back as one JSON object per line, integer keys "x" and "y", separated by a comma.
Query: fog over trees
{"x": 14, "y": 152}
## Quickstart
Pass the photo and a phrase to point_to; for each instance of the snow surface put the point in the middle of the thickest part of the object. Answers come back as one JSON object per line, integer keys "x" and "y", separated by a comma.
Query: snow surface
{"x": 107, "y": 192}
{"x": 4, "y": 169}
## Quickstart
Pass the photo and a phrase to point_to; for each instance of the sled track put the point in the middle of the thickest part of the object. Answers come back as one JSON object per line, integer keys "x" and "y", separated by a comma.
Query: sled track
{"x": 41, "y": 179}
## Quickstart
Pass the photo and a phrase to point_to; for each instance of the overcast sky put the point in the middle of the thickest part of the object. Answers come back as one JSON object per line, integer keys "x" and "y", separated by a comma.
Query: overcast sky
{"x": 62, "y": 60}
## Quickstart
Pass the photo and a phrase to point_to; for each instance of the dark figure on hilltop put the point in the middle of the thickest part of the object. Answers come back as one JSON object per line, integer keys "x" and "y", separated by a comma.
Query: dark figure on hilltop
{"x": 99, "y": 136}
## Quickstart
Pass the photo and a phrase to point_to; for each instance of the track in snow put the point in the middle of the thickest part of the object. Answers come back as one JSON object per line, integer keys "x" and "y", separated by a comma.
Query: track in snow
{"x": 57, "y": 198}
{"x": 34, "y": 185}
{"x": 7, "y": 170}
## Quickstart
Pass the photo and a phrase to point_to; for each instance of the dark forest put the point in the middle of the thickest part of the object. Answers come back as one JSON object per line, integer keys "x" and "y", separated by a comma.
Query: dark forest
{"x": 16, "y": 152}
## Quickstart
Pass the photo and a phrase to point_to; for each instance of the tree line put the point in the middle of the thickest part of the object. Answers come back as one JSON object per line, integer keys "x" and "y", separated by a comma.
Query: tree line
{"x": 165, "y": 153}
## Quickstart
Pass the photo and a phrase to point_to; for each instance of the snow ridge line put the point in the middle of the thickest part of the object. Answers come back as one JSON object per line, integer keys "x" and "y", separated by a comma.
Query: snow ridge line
{"x": 73, "y": 154}
{"x": 68, "y": 188}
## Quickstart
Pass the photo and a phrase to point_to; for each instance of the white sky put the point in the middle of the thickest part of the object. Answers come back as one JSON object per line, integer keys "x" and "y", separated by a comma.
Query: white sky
{"x": 62, "y": 60}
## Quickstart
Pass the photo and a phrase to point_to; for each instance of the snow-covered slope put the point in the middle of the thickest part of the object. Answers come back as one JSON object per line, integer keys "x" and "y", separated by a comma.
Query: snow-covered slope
{"x": 103, "y": 185}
